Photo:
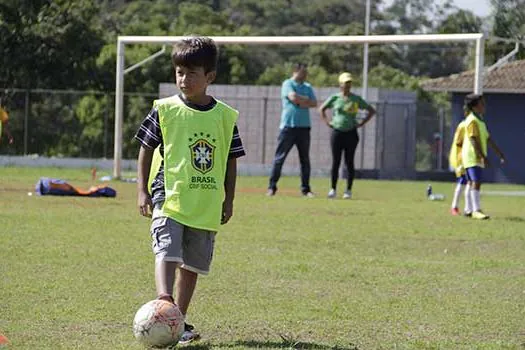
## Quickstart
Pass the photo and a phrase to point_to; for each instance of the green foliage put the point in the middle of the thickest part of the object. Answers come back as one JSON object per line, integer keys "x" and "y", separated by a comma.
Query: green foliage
{"x": 389, "y": 77}
{"x": 276, "y": 74}
{"x": 91, "y": 111}
{"x": 137, "y": 107}
{"x": 509, "y": 22}
{"x": 66, "y": 44}
{"x": 49, "y": 44}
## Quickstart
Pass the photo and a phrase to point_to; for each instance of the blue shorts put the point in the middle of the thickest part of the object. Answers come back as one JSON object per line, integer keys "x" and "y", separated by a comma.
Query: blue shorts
{"x": 475, "y": 174}
{"x": 462, "y": 180}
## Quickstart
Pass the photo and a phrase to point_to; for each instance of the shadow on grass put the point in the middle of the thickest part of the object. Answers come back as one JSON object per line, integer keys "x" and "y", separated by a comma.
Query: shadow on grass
{"x": 253, "y": 344}
{"x": 514, "y": 219}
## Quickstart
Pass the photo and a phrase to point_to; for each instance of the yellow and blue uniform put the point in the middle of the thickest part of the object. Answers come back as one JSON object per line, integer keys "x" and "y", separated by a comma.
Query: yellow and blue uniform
{"x": 455, "y": 160}
{"x": 344, "y": 110}
{"x": 475, "y": 127}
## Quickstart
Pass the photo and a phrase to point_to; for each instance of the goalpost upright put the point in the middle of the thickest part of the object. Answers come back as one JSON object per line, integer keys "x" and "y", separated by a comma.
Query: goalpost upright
{"x": 478, "y": 38}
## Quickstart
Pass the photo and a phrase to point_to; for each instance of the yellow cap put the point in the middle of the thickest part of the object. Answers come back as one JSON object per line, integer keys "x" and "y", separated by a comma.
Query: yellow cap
{"x": 345, "y": 77}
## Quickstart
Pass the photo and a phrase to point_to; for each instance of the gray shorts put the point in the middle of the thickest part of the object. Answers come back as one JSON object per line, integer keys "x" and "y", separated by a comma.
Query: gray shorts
{"x": 190, "y": 247}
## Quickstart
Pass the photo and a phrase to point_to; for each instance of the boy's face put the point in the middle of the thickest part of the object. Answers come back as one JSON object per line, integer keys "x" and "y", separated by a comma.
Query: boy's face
{"x": 301, "y": 74}
{"x": 480, "y": 107}
{"x": 193, "y": 81}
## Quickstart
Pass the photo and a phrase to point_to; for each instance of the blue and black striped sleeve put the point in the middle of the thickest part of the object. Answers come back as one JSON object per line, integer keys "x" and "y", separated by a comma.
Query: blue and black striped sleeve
{"x": 149, "y": 133}
{"x": 236, "y": 147}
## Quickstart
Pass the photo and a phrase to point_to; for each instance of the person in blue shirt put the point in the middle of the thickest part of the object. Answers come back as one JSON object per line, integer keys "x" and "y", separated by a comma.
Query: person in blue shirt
{"x": 297, "y": 98}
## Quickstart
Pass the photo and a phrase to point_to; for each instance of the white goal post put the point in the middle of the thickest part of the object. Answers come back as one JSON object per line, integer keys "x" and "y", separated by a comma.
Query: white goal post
{"x": 478, "y": 38}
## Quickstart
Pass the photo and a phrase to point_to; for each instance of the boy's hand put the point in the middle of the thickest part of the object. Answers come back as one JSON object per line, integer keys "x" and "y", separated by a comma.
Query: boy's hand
{"x": 144, "y": 203}
{"x": 227, "y": 212}
{"x": 485, "y": 161}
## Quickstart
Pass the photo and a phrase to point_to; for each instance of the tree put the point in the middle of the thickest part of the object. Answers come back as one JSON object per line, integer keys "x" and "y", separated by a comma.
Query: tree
{"x": 509, "y": 22}
{"x": 428, "y": 16}
{"x": 50, "y": 44}
{"x": 68, "y": 44}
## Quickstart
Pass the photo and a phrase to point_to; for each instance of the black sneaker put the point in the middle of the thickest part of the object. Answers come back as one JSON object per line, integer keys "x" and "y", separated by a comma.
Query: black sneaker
{"x": 189, "y": 335}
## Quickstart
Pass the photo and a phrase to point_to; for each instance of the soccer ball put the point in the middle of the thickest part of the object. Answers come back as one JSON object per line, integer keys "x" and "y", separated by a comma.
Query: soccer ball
{"x": 158, "y": 323}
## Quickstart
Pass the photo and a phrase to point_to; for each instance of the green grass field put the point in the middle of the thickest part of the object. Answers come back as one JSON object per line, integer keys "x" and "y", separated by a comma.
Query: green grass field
{"x": 387, "y": 270}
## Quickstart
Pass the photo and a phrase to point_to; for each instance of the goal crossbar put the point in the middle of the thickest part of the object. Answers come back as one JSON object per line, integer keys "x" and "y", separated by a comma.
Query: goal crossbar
{"x": 298, "y": 40}
{"x": 477, "y": 38}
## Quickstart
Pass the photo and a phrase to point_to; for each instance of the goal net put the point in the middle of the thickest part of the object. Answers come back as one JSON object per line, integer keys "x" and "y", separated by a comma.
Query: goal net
{"x": 476, "y": 38}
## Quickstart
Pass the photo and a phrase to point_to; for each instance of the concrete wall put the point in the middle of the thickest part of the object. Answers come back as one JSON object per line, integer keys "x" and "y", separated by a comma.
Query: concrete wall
{"x": 387, "y": 141}
{"x": 386, "y": 149}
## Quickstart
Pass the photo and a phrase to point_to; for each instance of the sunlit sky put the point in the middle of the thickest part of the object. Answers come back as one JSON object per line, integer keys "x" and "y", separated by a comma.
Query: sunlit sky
{"x": 479, "y": 7}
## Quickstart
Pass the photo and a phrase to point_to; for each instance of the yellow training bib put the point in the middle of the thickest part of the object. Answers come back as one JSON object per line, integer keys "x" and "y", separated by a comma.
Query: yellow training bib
{"x": 196, "y": 149}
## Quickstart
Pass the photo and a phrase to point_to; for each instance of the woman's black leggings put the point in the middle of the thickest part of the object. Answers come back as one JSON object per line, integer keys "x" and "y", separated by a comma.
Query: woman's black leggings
{"x": 343, "y": 141}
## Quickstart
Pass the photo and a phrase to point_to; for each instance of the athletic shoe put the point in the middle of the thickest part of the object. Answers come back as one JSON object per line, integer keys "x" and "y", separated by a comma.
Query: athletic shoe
{"x": 271, "y": 192}
{"x": 347, "y": 195}
{"x": 479, "y": 215}
{"x": 332, "y": 194}
{"x": 467, "y": 214}
{"x": 309, "y": 195}
{"x": 189, "y": 335}
{"x": 454, "y": 211}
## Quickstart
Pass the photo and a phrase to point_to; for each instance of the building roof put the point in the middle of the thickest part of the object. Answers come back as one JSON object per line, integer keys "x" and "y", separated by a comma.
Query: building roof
{"x": 509, "y": 78}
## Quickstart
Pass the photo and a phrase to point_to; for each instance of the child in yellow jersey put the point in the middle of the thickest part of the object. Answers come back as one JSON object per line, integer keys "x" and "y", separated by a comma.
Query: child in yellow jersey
{"x": 456, "y": 163}
{"x": 474, "y": 150}
{"x": 188, "y": 158}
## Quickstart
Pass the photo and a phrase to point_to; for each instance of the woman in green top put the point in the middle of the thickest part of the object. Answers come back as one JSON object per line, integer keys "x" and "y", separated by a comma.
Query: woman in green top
{"x": 345, "y": 106}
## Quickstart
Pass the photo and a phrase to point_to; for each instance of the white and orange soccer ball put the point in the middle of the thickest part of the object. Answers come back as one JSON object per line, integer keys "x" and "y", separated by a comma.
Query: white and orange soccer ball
{"x": 158, "y": 323}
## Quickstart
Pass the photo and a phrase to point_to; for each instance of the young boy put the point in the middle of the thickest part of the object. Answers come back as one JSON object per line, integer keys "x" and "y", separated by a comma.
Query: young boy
{"x": 456, "y": 163}
{"x": 474, "y": 150}
{"x": 192, "y": 141}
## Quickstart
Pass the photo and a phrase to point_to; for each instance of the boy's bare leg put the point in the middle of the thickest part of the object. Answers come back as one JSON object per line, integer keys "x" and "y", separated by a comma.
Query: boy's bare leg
{"x": 186, "y": 281}
{"x": 165, "y": 277}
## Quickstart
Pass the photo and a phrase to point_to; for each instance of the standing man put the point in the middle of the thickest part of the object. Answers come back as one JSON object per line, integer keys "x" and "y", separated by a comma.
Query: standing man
{"x": 297, "y": 98}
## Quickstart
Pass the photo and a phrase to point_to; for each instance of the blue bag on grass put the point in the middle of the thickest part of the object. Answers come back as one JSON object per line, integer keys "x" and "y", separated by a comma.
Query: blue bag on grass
{"x": 57, "y": 187}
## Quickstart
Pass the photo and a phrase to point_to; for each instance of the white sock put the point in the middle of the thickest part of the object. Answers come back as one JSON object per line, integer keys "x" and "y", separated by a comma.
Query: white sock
{"x": 474, "y": 195}
{"x": 457, "y": 194}
{"x": 468, "y": 201}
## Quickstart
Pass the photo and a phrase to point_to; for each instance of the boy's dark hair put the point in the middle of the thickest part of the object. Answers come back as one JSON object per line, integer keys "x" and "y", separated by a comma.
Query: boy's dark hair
{"x": 298, "y": 66}
{"x": 195, "y": 51}
{"x": 472, "y": 100}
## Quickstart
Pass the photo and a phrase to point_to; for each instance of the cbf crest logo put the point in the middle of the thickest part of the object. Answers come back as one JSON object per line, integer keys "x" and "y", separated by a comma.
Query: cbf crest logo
{"x": 202, "y": 152}
{"x": 351, "y": 108}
